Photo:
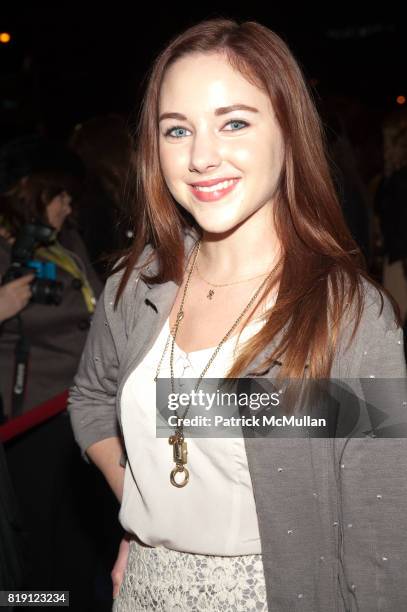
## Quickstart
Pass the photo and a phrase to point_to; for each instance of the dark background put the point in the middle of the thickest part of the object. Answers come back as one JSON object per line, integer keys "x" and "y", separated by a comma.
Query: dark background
{"x": 70, "y": 61}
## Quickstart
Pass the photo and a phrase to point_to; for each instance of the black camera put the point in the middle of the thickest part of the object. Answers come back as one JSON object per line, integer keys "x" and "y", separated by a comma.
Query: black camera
{"x": 43, "y": 290}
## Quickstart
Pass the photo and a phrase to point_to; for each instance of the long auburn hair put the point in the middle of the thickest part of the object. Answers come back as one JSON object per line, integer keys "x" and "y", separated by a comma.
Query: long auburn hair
{"x": 320, "y": 268}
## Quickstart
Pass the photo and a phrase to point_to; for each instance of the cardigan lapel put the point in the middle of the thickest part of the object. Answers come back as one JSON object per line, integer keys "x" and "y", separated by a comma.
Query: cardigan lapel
{"x": 151, "y": 307}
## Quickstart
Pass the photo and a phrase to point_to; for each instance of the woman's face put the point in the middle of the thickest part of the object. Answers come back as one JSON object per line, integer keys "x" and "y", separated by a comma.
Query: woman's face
{"x": 58, "y": 209}
{"x": 209, "y": 143}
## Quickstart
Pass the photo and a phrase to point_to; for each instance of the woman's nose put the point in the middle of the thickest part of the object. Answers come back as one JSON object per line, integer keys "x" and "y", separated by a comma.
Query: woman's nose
{"x": 205, "y": 153}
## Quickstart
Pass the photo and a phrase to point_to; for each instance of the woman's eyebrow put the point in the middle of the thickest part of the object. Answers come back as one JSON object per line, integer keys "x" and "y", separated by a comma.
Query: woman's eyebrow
{"x": 223, "y": 110}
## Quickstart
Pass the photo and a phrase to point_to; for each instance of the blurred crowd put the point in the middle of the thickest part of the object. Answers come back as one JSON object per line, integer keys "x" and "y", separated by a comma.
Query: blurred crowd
{"x": 63, "y": 221}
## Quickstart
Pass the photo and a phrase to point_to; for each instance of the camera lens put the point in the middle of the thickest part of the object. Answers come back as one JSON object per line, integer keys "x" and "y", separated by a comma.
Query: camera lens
{"x": 46, "y": 291}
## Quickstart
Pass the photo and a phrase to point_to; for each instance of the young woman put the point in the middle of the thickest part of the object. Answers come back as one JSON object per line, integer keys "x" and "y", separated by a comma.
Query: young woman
{"x": 242, "y": 264}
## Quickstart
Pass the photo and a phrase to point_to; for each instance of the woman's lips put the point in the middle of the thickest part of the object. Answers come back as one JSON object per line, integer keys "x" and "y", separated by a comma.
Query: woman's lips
{"x": 212, "y": 196}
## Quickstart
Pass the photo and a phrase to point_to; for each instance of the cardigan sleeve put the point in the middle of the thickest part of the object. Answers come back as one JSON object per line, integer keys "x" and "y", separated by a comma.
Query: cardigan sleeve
{"x": 371, "y": 471}
{"x": 92, "y": 402}
{"x": 382, "y": 351}
{"x": 92, "y": 397}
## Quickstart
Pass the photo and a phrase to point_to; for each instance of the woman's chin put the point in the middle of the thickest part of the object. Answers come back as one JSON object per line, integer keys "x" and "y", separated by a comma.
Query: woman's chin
{"x": 217, "y": 226}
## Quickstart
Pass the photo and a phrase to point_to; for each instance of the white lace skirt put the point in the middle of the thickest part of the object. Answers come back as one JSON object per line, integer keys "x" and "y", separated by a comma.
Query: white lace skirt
{"x": 172, "y": 581}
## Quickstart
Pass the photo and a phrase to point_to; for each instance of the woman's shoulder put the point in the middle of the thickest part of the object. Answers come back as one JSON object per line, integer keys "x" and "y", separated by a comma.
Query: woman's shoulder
{"x": 370, "y": 340}
{"x": 114, "y": 279}
{"x": 370, "y": 321}
{"x": 119, "y": 316}
{"x": 369, "y": 304}
{"x": 146, "y": 262}
{"x": 378, "y": 312}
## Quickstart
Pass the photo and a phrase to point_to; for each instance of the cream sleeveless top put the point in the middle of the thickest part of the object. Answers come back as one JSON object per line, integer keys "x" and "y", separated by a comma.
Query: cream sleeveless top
{"x": 215, "y": 513}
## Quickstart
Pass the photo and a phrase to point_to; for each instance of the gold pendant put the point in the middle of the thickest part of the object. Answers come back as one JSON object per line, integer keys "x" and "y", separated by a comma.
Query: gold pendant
{"x": 210, "y": 294}
{"x": 180, "y": 454}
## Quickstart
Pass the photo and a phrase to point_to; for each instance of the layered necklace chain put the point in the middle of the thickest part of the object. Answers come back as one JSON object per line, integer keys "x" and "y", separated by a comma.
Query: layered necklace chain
{"x": 211, "y": 292}
{"x": 177, "y": 440}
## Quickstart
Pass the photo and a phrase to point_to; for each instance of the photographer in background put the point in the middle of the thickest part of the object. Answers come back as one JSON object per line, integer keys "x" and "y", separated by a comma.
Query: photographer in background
{"x": 39, "y": 181}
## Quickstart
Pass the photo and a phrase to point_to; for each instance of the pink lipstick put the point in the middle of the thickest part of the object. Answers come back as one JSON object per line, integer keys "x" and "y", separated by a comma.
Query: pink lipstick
{"x": 214, "y": 194}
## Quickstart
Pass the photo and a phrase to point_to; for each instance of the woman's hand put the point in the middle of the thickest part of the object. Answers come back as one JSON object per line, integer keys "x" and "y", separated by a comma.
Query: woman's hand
{"x": 119, "y": 567}
{"x": 14, "y": 296}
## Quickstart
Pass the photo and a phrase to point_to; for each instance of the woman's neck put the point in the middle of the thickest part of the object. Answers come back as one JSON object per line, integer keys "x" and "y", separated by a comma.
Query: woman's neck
{"x": 238, "y": 254}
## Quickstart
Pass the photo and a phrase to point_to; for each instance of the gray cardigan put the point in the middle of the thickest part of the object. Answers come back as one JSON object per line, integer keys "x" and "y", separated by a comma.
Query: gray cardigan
{"x": 330, "y": 511}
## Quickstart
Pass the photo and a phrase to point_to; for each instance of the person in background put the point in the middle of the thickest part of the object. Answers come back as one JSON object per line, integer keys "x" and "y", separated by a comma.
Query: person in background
{"x": 105, "y": 146}
{"x": 39, "y": 183}
{"x": 14, "y": 296}
{"x": 391, "y": 208}
{"x": 349, "y": 184}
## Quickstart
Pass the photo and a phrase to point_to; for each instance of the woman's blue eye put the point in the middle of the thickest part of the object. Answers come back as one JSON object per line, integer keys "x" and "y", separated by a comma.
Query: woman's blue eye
{"x": 170, "y": 130}
{"x": 237, "y": 121}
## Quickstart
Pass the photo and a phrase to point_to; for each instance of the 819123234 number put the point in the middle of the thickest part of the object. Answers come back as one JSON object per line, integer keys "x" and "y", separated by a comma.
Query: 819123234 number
{"x": 34, "y": 598}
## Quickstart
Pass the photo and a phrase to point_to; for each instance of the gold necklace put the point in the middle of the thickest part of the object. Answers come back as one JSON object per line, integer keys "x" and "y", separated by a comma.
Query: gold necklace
{"x": 180, "y": 452}
{"x": 211, "y": 292}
